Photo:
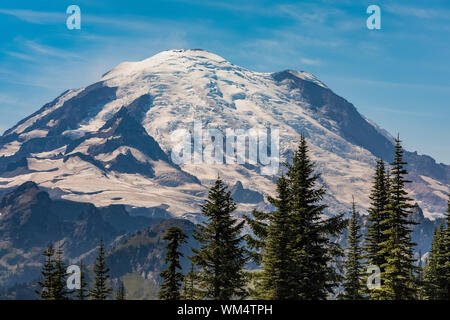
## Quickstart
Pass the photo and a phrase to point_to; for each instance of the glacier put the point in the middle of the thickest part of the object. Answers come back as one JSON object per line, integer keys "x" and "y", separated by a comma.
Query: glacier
{"x": 110, "y": 142}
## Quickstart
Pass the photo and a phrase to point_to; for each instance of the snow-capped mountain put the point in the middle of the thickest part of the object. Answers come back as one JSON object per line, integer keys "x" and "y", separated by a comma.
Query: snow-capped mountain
{"x": 111, "y": 142}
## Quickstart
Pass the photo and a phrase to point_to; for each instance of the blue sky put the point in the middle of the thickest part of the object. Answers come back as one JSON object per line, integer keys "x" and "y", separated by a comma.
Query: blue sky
{"x": 397, "y": 76}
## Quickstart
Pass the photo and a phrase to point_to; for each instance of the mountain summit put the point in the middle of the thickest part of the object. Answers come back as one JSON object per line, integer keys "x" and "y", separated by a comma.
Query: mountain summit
{"x": 110, "y": 142}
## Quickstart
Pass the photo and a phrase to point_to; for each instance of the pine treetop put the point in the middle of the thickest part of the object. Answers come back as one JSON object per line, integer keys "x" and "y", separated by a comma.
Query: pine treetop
{"x": 352, "y": 266}
{"x": 312, "y": 249}
{"x": 295, "y": 239}
{"x": 48, "y": 272}
{"x": 274, "y": 277}
{"x": 221, "y": 257}
{"x": 101, "y": 289}
{"x": 61, "y": 291}
{"x": 379, "y": 197}
{"x": 83, "y": 292}
{"x": 443, "y": 258}
{"x": 53, "y": 285}
{"x": 398, "y": 270}
{"x": 170, "y": 288}
{"x": 434, "y": 278}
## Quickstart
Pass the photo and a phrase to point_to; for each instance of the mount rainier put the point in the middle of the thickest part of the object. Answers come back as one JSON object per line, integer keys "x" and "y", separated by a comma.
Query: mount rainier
{"x": 110, "y": 142}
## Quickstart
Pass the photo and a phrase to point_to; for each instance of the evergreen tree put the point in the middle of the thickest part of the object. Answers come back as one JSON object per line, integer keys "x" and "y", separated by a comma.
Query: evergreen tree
{"x": 312, "y": 251}
{"x": 221, "y": 257}
{"x": 273, "y": 280}
{"x": 101, "y": 290}
{"x": 352, "y": 266}
{"x": 83, "y": 292}
{"x": 48, "y": 272}
{"x": 398, "y": 247}
{"x": 189, "y": 290}
{"x": 297, "y": 251}
{"x": 432, "y": 288}
{"x": 437, "y": 269}
{"x": 61, "y": 291}
{"x": 258, "y": 224}
{"x": 379, "y": 198}
{"x": 170, "y": 288}
{"x": 120, "y": 294}
{"x": 444, "y": 268}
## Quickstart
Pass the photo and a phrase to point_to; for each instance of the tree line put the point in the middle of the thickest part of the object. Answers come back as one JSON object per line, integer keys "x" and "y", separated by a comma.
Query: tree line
{"x": 298, "y": 250}
{"x": 54, "y": 286}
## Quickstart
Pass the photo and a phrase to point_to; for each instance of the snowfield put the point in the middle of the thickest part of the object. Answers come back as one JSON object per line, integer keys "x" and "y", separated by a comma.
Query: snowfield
{"x": 172, "y": 90}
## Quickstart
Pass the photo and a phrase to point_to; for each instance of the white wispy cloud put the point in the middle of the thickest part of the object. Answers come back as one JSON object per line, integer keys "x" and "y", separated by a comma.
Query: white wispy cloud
{"x": 313, "y": 62}
{"x": 255, "y": 8}
{"x": 393, "y": 84}
{"x": 21, "y": 56}
{"x": 132, "y": 24}
{"x": 38, "y": 48}
{"x": 38, "y": 17}
{"x": 417, "y": 12}
{"x": 48, "y": 17}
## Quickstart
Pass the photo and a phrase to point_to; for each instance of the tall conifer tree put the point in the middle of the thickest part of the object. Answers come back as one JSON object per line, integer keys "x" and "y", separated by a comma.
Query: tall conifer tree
{"x": 352, "y": 266}
{"x": 379, "y": 198}
{"x": 437, "y": 269}
{"x": 398, "y": 281}
{"x": 221, "y": 256}
{"x": 82, "y": 293}
{"x": 101, "y": 289}
{"x": 304, "y": 269}
{"x": 258, "y": 223}
{"x": 49, "y": 275}
{"x": 432, "y": 279}
{"x": 313, "y": 252}
{"x": 445, "y": 269}
{"x": 172, "y": 279}
{"x": 274, "y": 278}
{"x": 61, "y": 291}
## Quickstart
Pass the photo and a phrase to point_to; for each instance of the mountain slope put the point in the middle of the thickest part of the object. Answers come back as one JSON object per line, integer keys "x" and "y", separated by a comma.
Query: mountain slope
{"x": 30, "y": 220}
{"x": 110, "y": 143}
{"x": 143, "y": 253}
